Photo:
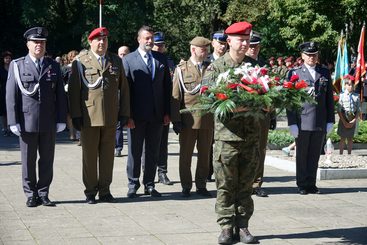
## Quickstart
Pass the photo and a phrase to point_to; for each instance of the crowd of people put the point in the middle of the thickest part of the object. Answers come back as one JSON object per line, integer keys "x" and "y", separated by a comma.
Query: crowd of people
{"x": 96, "y": 94}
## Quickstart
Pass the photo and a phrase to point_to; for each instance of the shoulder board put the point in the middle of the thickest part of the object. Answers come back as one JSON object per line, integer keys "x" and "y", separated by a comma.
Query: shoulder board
{"x": 19, "y": 59}
{"x": 182, "y": 63}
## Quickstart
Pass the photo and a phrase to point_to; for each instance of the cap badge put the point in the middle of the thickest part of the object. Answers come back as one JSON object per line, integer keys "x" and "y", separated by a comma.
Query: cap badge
{"x": 39, "y": 30}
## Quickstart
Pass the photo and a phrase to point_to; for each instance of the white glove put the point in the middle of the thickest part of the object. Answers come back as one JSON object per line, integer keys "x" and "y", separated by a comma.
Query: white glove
{"x": 16, "y": 129}
{"x": 329, "y": 127}
{"x": 293, "y": 129}
{"x": 66, "y": 87}
{"x": 60, "y": 127}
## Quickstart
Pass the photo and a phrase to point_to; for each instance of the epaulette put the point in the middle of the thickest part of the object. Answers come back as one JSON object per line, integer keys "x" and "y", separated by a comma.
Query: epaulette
{"x": 19, "y": 59}
{"x": 182, "y": 65}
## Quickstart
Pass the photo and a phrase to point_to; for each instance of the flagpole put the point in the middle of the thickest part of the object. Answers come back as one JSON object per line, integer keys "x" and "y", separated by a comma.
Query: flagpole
{"x": 100, "y": 13}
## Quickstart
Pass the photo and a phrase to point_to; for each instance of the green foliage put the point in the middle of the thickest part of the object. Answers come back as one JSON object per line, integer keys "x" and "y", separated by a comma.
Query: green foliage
{"x": 280, "y": 138}
{"x": 361, "y": 137}
{"x": 284, "y": 24}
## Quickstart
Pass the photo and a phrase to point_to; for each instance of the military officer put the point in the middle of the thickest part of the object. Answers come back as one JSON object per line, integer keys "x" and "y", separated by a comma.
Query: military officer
{"x": 311, "y": 125}
{"x": 236, "y": 151}
{"x": 219, "y": 44}
{"x": 192, "y": 127}
{"x": 99, "y": 97}
{"x": 36, "y": 106}
{"x": 269, "y": 121}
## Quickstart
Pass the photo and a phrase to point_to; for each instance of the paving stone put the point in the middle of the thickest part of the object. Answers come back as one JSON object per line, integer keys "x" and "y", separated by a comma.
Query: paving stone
{"x": 336, "y": 217}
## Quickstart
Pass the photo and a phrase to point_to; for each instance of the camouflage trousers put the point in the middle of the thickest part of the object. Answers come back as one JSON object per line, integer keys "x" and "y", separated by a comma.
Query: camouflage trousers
{"x": 235, "y": 164}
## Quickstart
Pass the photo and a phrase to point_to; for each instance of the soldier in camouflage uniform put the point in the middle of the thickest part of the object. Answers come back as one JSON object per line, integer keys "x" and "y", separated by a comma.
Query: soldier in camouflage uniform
{"x": 236, "y": 152}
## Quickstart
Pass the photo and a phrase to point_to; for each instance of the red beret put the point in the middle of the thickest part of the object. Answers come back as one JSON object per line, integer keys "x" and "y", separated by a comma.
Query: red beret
{"x": 280, "y": 58}
{"x": 98, "y": 32}
{"x": 272, "y": 58}
{"x": 349, "y": 77}
{"x": 289, "y": 59}
{"x": 239, "y": 28}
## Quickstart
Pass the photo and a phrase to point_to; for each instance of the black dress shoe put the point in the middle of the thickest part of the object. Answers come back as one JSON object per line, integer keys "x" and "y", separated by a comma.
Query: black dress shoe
{"x": 313, "y": 190}
{"x": 91, "y": 200}
{"x": 131, "y": 193}
{"x": 31, "y": 202}
{"x": 226, "y": 237}
{"x": 44, "y": 201}
{"x": 260, "y": 192}
{"x": 203, "y": 192}
{"x": 186, "y": 192}
{"x": 107, "y": 198}
{"x": 151, "y": 191}
{"x": 162, "y": 178}
{"x": 246, "y": 237}
{"x": 302, "y": 191}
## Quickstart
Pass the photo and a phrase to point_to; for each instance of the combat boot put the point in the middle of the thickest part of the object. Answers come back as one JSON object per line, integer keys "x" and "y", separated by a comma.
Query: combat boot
{"x": 226, "y": 237}
{"x": 246, "y": 237}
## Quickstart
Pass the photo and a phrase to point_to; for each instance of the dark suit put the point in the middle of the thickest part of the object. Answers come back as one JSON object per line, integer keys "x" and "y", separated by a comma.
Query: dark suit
{"x": 150, "y": 98}
{"x": 37, "y": 114}
{"x": 312, "y": 123}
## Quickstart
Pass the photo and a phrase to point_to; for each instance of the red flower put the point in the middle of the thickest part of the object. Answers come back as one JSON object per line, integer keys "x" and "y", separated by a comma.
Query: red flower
{"x": 287, "y": 85}
{"x": 336, "y": 98}
{"x": 232, "y": 85}
{"x": 221, "y": 96}
{"x": 203, "y": 89}
{"x": 301, "y": 84}
{"x": 263, "y": 71}
{"x": 277, "y": 79}
{"x": 294, "y": 78}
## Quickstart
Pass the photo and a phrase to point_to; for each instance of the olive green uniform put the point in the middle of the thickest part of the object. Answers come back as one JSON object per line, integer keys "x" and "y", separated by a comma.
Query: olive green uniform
{"x": 196, "y": 128}
{"x": 99, "y": 107}
{"x": 236, "y": 156}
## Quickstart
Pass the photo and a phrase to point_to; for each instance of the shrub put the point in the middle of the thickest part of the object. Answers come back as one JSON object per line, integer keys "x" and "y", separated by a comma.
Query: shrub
{"x": 280, "y": 138}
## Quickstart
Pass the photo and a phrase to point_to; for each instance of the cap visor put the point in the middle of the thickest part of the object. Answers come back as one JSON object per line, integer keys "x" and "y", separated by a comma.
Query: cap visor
{"x": 255, "y": 42}
{"x": 37, "y": 39}
{"x": 310, "y": 52}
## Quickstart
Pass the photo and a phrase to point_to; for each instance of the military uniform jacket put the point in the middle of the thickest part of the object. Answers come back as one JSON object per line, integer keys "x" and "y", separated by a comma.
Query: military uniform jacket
{"x": 102, "y": 105}
{"x": 191, "y": 79}
{"x": 41, "y": 110}
{"x": 314, "y": 117}
{"x": 235, "y": 129}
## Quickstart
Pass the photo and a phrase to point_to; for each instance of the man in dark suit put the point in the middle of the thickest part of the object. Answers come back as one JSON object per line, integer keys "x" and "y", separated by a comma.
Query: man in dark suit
{"x": 316, "y": 120}
{"x": 150, "y": 89}
{"x": 36, "y": 106}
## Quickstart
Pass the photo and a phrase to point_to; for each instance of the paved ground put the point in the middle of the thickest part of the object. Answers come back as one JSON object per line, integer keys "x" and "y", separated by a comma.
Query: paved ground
{"x": 339, "y": 216}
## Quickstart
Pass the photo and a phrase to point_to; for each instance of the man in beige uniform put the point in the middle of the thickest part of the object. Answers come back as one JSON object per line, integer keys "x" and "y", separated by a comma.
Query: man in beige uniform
{"x": 193, "y": 127}
{"x": 99, "y": 96}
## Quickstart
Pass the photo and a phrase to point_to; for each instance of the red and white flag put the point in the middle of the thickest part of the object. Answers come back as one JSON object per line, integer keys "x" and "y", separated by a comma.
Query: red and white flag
{"x": 360, "y": 66}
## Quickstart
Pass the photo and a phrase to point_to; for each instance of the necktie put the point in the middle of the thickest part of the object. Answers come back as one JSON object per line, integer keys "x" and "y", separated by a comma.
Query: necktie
{"x": 149, "y": 62}
{"x": 100, "y": 60}
{"x": 38, "y": 65}
{"x": 351, "y": 102}
{"x": 198, "y": 66}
